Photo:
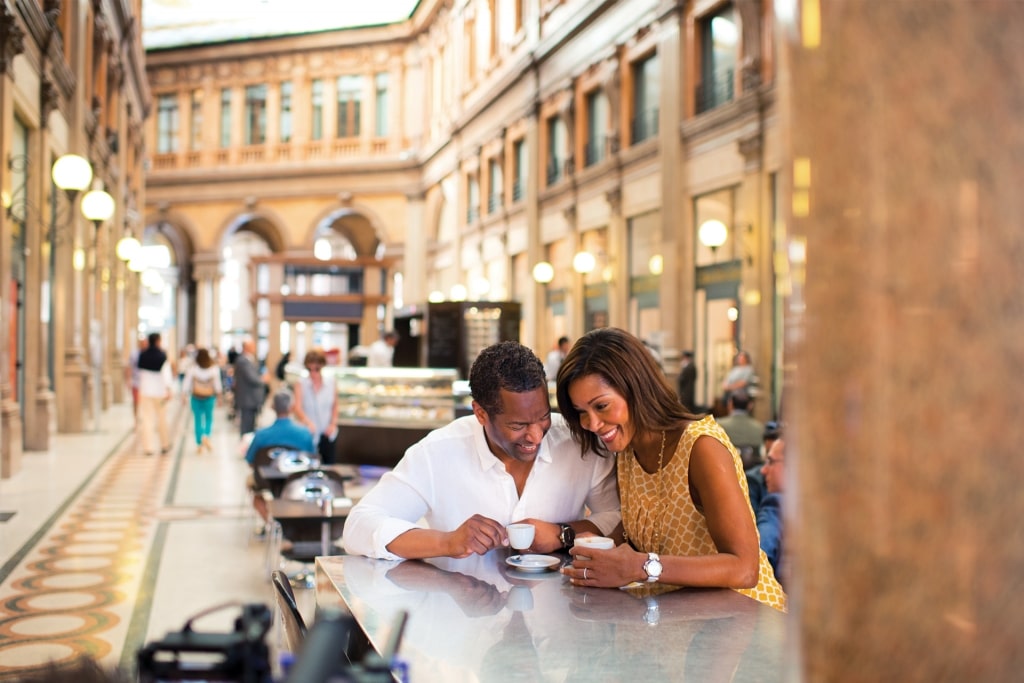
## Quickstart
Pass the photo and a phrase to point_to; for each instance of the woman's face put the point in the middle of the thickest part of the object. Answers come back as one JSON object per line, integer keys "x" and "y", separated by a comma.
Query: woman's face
{"x": 602, "y": 410}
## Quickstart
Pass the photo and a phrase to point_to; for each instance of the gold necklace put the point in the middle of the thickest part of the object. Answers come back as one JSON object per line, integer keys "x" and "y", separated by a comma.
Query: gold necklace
{"x": 656, "y": 541}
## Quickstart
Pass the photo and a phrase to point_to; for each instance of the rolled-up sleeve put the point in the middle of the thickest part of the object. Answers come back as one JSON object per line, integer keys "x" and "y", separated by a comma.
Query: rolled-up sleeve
{"x": 392, "y": 507}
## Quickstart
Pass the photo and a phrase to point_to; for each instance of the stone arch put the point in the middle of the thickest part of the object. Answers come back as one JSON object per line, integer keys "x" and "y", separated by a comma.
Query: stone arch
{"x": 260, "y": 221}
{"x": 178, "y": 229}
{"x": 359, "y": 224}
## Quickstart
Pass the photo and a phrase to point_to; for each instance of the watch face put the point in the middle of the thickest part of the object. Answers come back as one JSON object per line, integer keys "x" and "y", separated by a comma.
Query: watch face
{"x": 653, "y": 568}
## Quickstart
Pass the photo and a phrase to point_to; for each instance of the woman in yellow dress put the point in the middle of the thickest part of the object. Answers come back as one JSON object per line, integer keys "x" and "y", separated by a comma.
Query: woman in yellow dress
{"x": 686, "y": 516}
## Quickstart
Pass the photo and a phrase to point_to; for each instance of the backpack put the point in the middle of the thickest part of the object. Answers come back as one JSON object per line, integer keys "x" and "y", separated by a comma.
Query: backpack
{"x": 202, "y": 388}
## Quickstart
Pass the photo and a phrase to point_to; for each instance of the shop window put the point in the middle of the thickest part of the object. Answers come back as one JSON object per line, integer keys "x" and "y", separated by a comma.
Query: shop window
{"x": 719, "y": 41}
{"x": 646, "y": 96}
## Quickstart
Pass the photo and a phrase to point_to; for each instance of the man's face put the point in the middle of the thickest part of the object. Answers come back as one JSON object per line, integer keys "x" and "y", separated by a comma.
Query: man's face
{"x": 516, "y": 433}
{"x": 773, "y": 467}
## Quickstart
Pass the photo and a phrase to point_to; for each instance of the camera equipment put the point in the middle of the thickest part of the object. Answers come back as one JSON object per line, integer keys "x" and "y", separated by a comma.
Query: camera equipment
{"x": 188, "y": 655}
{"x": 323, "y": 659}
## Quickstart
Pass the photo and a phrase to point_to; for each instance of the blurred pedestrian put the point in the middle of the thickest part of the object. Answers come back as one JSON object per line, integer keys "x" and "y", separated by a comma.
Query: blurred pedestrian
{"x": 201, "y": 387}
{"x": 155, "y": 383}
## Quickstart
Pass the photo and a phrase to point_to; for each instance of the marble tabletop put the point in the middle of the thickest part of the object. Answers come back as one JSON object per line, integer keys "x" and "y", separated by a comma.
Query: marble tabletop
{"x": 479, "y": 619}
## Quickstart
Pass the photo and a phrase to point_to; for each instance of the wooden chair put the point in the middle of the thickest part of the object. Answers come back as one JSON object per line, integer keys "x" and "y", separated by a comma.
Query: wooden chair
{"x": 291, "y": 618}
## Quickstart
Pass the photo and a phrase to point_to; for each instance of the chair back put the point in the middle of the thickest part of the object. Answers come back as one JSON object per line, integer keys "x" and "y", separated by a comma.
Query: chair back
{"x": 294, "y": 624}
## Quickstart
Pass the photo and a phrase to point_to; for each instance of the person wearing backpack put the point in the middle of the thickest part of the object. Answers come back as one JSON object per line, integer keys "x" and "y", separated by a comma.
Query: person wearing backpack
{"x": 201, "y": 386}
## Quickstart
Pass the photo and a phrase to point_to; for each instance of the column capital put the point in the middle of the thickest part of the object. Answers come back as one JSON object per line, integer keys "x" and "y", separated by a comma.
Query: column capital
{"x": 12, "y": 39}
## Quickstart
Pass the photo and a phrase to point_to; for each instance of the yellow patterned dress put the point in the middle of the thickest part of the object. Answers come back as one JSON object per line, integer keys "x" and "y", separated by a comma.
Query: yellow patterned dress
{"x": 658, "y": 510}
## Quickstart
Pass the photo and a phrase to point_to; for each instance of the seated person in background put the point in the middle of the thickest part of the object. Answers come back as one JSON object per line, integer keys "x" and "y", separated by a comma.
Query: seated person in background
{"x": 283, "y": 432}
{"x": 769, "y": 512}
{"x": 512, "y": 460}
{"x": 741, "y": 376}
{"x": 744, "y": 431}
{"x": 755, "y": 477}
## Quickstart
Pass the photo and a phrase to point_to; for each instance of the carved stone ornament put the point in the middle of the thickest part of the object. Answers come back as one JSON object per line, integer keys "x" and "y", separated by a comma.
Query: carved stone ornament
{"x": 48, "y": 97}
{"x": 12, "y": 39}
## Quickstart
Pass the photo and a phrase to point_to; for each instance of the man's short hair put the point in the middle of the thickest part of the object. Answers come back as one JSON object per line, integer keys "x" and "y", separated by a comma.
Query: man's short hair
{"x": 282, "y": 402}
{"x": 740, "y": 399}
{"x": 506, "y": 365}
{"x": 153, "y": 338}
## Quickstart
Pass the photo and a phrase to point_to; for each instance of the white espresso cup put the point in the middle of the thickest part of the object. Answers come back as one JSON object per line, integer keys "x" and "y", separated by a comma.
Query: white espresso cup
{"x": 520, "y": 536}
{"x": 595, "y": 542}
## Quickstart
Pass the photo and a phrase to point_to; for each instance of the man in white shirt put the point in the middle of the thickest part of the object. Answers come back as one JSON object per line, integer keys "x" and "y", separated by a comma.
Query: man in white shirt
{"x": 155, "y": 382}
{"x": 511, "y": 461}
{"x": 555, "y": 357}
{"x": 379, "y": 354}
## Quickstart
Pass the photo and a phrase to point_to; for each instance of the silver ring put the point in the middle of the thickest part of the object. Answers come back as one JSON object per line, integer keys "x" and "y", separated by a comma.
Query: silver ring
{"x": 584, "y": 573}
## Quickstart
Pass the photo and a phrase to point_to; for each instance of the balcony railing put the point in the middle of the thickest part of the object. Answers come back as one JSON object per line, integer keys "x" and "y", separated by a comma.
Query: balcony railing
{"x": 645, "y": 125}
{"x": 472, "y": 215}
{"x": 517, "y": 189}
{"x": 717, "y": 92}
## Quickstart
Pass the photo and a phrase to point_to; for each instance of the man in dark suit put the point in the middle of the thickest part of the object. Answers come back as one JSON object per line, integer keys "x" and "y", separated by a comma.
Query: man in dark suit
{"x": 249, "y": 387}
{"x": 688, "y": 381}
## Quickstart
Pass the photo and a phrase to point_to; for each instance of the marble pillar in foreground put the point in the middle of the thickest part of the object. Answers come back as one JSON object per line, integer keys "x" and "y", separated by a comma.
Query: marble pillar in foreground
{"x": 905, "y": 122}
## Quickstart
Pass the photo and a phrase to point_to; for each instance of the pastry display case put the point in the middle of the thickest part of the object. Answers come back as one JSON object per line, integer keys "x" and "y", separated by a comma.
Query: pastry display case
{"x": 383, "y": 411}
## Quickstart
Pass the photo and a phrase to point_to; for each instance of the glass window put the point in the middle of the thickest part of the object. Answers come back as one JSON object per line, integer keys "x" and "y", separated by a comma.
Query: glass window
{"x": 381, "y": 105}
{"x": 350, "y": 93}
{"x": 167, "y": 124}
{"x": 519, "y": 161}
{"x": 597, "y": 127}
{"x": 255, "y": 114}
{"x": 317, "y": 99}
{"x": 557, "y": 139}
{"x": 646, "y": 94}
{"x": 286, "y": 111}
{"x": 225, "y": 117}
{"x": 495, "y": 180}
{"x": 472, "y": 199}
{"x": 719, "y": 36}
{"x": 196, "y": 126}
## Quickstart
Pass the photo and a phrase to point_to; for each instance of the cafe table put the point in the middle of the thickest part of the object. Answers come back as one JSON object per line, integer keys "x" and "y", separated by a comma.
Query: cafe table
{"x": 478, "y": 619}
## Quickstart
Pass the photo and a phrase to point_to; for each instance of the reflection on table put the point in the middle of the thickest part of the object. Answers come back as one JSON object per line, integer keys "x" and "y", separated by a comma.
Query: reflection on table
{"x": 479, "y": 619}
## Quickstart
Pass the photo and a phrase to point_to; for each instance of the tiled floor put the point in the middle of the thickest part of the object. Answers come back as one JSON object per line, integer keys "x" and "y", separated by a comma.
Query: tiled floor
{"x": 110, "y": 549}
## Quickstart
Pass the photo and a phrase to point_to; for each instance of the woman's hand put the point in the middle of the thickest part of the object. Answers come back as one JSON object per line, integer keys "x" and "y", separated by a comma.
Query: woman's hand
{"x": 605, "y": 568}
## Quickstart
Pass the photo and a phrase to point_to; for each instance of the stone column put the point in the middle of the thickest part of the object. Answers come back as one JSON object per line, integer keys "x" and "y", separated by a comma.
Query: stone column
{"x": 535, "y": 306}
{"x": 414, "y": 262}
{"x": 676, "y": 213}
{"x": 206, "y": 273}
{"x": 906, "y": 145}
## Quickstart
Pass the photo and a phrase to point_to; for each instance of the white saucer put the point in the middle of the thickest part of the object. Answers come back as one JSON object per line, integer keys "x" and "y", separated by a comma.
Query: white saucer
{"x": 533, "y": 563}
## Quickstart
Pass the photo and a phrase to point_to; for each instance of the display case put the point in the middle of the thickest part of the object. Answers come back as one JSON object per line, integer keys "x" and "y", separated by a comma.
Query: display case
{"x": 383, "y": 411}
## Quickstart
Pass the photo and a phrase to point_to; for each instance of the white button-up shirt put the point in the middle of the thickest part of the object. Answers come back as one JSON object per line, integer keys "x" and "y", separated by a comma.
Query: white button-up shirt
{"x": 451, "y": 475}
